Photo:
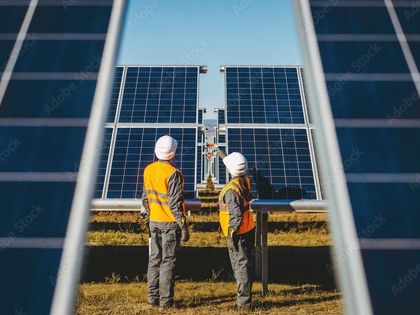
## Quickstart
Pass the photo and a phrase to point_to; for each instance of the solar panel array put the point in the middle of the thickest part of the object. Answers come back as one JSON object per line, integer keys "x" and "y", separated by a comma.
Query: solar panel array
{"x": 134, "y": 150}
{"x": 160, "y": 95}
{"x": 43, "y": 121}
{"x": 282, "y": 155}
{"x": 149, "y": 102}
{"x": 370, "y": 55}
{"x": 267, "y": 122}
{"x": 263, "y": 95}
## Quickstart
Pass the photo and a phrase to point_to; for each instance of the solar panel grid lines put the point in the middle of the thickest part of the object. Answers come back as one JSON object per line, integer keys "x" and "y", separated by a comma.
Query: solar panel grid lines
{"x": 375, "y": 112}
{"x": 161, "y": 94}
{"x": 134, "y": 150}
{"x": 49, "y": 120}
{"x": 266, "y": 94}
{"x": 280, "y": 155}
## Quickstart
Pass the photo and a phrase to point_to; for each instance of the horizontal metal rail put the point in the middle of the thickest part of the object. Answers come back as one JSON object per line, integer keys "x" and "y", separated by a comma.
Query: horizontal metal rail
{"x": 286, "y": 205}
{"x": 133, "y": 205}
{"x": 263, "y": 207}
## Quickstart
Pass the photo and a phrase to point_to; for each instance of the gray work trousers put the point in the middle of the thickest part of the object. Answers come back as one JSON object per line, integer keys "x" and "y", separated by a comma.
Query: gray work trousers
{"x": 242, "y": 261}
{"x": 165, "y": 239}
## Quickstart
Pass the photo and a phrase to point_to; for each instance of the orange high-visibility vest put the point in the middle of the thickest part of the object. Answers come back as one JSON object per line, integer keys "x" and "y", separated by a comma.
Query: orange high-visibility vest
{"x": 156, "y": 178}
{"x": 247, "y": 223}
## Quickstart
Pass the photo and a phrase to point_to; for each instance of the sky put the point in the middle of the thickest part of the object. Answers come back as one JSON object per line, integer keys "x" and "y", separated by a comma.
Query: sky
{"x": 211, "y": 33}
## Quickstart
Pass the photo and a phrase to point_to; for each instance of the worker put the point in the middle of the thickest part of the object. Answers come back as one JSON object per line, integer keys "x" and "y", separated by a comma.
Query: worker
{"x": 164, "y": 201}
{"x": 237, "y": 224}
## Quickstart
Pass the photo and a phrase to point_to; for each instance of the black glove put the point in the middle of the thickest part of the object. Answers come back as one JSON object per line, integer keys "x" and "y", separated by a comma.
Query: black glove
{"x": 185, "y": 236}
{"x": 233, "y": 240}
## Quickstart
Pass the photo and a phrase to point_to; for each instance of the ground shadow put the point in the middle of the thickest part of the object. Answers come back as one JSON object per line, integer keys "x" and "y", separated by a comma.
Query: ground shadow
{"x": 287, "y": 265}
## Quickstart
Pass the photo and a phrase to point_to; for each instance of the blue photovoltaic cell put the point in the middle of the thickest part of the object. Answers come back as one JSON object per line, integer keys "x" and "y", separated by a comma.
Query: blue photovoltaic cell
{"x": 116, "y": 87}
{"x": 160, "y": 95}
{"x": 200, "y": 164}
{"x": 222, "y": 168}
{"x": 200, "y": 116}
{"x": 280, "y": 155}
{"x": 221, "y": 116}
{"x": 134, "y": 150}
{"x": 376, "y": 111}
{"x": 40, "y": 159}
{"x": 263, "y": 95}
{"x": 103, "y": 162}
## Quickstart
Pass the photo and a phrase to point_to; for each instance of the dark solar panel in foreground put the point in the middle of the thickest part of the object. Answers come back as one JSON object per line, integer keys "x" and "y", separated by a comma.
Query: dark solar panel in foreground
{"x": 54, "y": 77}
{"x": 263, "y": 95}
{"x": 134, "y": 150}
{"x": 103, "y": 162}
{"x": 282, "y": 156}
{"x": 160, "y": 95}
{"x": 376, "y": 107}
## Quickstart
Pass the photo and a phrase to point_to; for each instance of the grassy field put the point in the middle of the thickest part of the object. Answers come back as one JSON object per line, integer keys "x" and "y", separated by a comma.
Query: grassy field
{"x": 114, "y": 295}
{"x": 213, "y": 298}
{"x": 128, "y": 229}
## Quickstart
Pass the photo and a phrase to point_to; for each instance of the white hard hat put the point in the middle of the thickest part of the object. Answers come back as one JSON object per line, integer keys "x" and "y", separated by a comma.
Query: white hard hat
{"x": 165, "y": 148}
{"x": 236, "y": 164}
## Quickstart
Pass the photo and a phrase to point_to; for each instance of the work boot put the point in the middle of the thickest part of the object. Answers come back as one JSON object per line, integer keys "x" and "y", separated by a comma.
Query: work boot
{"x": 153, "y": 303}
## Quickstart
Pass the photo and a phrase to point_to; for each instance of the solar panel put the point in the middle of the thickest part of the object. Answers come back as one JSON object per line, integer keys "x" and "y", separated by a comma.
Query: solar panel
{"x": 263, "y": 95}
{"x": 106, "y": 147}
{"x": 222, "y": 172}
{"x": 200, "y": 164}
{"x": 160, "y": 95}
{"x": 134, "y": 150}
{"x": 44, "y": 114}
{"x": 200, "y": 116}
{"x": 115, "y": 96}
{"x": 280, "y": 155}
{"x": 369, "y": 51}
{"x": 221, "y": 116}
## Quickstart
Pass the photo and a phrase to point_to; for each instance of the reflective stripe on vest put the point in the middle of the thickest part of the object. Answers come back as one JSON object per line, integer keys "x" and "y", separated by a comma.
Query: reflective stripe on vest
{"x": 247, "y": 223}
{"x": 156, "y": 179}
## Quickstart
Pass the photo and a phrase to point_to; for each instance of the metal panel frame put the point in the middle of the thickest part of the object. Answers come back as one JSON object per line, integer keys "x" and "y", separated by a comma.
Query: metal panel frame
{"x": 309, "y": 135}
{"x": 349, "y": 265}
{"x": 114, "y": 135}
{"x": 72, "y": 256}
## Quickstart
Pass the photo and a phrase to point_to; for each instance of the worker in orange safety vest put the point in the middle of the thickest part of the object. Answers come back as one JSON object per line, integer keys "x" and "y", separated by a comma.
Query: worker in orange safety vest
{"x": 237, "y": 224}
{"x": 163, "y": 199}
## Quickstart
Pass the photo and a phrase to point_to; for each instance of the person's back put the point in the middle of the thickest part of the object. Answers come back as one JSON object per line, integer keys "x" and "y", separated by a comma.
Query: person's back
{"x": 164, "y": 201}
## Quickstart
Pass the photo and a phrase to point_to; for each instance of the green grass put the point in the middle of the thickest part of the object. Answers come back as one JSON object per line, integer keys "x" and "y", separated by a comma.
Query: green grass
{"x": 213, "y": 298}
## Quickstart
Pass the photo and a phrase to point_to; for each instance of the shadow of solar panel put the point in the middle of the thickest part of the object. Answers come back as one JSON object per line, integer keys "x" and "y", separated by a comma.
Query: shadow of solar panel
{"x": 281, "y": 156}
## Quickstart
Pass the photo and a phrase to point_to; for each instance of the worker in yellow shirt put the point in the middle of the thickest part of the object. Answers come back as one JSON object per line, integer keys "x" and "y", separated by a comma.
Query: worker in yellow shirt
{"x": 163, "y": 199}
{"x": 238, "y": 226}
